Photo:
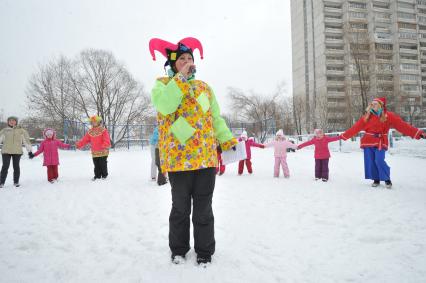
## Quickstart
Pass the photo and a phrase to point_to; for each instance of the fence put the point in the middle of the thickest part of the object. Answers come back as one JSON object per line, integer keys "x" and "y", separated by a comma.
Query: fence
{"x": 137, "y": 136}
{"x": 122, "y": 136}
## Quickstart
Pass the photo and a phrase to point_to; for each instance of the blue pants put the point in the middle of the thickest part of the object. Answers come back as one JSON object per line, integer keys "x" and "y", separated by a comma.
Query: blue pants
{"x": 375, "y": 165}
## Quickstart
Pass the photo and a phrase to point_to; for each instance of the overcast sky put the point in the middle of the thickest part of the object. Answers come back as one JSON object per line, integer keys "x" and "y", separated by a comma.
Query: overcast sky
{"x": 247, "y": 44}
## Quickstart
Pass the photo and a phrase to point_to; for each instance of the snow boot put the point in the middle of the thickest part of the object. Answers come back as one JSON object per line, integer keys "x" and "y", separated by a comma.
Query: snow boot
{"x": 17, "y": 185}
{"x": 376, "y": 183}
{"x": 324, "y": 179}
{"x": 1, "y": 186}
{"x": 204, "y": 260}
{"x": 388, "y": 184}
{"x": 178, "y": 259}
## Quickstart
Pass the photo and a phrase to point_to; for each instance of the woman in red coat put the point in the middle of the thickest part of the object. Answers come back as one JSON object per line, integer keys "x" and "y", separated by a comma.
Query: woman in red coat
{"x": 376, "y": 124}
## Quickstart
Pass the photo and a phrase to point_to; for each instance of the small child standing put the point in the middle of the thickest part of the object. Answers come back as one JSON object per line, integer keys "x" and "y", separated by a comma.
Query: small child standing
{"x": 280, "y": 145}
{"x": 322, "y": 153}
{"x": 100, "y": 142}
{"x": 49, "y": 148}
{"x": 249, "y": 142}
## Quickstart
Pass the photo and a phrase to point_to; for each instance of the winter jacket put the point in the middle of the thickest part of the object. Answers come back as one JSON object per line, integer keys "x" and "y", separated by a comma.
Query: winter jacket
{"x": 154, "y": 138}
{"x": 280, "y": 147}
{"x": 376, "y": 132}
{"x": 49, "y": 147}
{"x": 189, "y": 124}
{"x": 250, "y": 143}
{"x": 98, "y": 137}
{"x": 13, "y": 138}
{"x": 321, "y": 146}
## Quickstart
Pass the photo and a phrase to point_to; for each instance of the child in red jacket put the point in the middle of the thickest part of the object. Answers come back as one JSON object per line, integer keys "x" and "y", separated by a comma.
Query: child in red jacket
{"x": 100, "y": 142}
{"x": 322, "y": 153}
{"x": 249, "y": 143}
{"x": 49, "y": 147}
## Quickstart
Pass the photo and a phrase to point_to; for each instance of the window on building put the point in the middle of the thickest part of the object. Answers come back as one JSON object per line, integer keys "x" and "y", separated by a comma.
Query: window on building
{"x": 384, "y": 67}
{"x": 359, "y": 15}
{"x": 335, "y": 58}
{"x": 410, "y": 47}
{"x": 384, "y": 46}
{"x": 408, "y": 57}
{"x": 383, "y": 57}
{"x": 409, "y": 87}
{"x": 408, "y": 67}
{"x": 357, "y": 5}
{"x": 381, "y": 5}
{"x": 335, "y": 78}
{"x": 408, "y": 35}
{"x": 402, "y": 25}
{"x": 409, "y": 77}
{"x": 405, "y": 5}
{"x": 359, "y": 26}
{"x": 335, "y": 68}
{"x": 421, "y": 2}
{"x": 409, "y": 16}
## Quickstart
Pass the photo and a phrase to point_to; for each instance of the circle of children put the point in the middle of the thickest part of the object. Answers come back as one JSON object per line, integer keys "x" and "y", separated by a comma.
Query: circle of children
{"x": 188, "y": 143}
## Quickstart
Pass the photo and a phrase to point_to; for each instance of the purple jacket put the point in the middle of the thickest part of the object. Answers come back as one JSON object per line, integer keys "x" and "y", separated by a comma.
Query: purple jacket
{"x": 249, "y": 144}
{"x": 49, "y": 147}
{"x": 321, "y": 146}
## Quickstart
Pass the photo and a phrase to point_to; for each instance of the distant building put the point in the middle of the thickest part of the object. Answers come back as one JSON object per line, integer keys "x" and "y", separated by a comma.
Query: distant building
{"x": 342, "y": 49}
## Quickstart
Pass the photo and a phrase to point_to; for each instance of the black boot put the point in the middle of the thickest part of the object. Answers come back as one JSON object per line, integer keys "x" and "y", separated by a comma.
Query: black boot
{"x": 388, "y": 184}
{"x": 178, "y": 259}
{"x": 203, "y": 259}
{"x": 376, "y": 183}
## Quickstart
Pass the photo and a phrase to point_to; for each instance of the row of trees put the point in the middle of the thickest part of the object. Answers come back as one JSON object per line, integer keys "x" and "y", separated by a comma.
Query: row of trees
{"x": 93, "y": 82}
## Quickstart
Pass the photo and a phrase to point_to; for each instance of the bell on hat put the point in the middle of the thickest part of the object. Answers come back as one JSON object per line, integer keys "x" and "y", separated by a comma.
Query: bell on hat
{"x": 95, "y": 118}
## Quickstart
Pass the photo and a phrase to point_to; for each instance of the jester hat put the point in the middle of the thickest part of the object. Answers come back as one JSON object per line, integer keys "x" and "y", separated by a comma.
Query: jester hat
{"x": 172, "y": 51}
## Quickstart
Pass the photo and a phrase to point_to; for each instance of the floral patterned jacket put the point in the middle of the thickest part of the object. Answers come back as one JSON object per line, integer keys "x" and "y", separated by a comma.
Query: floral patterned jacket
{"x": 189, "y": 124}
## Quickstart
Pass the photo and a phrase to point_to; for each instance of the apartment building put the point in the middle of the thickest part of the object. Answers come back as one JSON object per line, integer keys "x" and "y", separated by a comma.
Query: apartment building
{"x": 344, "y": 51}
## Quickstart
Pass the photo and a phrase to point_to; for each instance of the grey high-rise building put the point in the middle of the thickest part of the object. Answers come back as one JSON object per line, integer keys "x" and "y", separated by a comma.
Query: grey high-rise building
{"x": 347, "y": 52}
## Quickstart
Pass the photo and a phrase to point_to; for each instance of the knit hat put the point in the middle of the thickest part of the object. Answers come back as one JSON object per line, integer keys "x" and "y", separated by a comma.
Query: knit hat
{"x": 173, "y": 51}
{"x": 243, "y": 135}
{"x": 280, "y": 133}
{"x": 12, "y": 118}
{"x": 317, "y": 131}
{"x": 95, "y": 118}
{"x": 382, "y": 101}
{"x": 49, "y": 131}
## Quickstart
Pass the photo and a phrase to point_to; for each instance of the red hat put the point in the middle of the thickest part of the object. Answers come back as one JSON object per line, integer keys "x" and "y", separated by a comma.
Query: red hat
{"x": 173, "y": 51}
{"x": 382, "y": 101}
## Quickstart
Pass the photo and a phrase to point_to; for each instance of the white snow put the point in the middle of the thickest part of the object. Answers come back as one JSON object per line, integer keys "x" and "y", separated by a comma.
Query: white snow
{"x": 267, "y": 230}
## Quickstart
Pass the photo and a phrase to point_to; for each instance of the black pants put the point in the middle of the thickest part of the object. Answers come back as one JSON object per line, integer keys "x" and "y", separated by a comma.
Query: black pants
{"x": 161, "y": 179}
{"x": 198, "y": 185}
{"x": 6, "y": 163}
{"x": 101, "y": 167}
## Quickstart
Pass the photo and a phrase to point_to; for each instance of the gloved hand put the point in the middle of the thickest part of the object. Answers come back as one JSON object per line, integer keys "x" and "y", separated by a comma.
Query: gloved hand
{"x": 234, "y": 148}
{"x": 423, "y": 136}
{"x": 31, "y": 155}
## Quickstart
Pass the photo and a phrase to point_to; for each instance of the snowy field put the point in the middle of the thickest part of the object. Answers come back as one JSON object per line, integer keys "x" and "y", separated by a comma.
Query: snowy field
{"x": 267, "y": 230}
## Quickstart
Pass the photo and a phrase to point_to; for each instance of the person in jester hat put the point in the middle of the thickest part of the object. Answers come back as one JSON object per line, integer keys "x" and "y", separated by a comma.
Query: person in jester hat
{"x": 49, "y": 147}
{"x": 321, "y": 154}
{"x": 189, "y": 123}
{"x": 376, "y": 123}
{"x": 100, "y": 142}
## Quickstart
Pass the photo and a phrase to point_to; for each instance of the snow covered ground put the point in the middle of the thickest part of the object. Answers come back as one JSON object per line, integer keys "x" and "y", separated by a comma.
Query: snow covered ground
{"x": 267, "y": 230}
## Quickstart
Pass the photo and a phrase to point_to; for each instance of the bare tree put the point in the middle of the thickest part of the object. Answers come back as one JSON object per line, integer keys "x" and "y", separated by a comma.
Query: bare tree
{"x": 93, "y": 83}
{"x": 359, "y": 47}
{"x": 299, "y": 108}
{"x": 256, "y": 109}
{"x": 50, "y": 95}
